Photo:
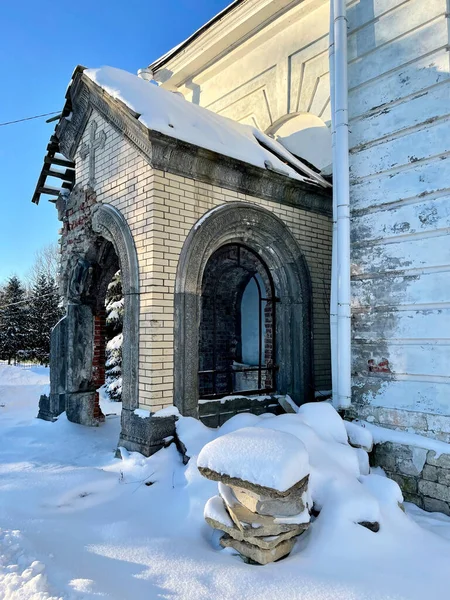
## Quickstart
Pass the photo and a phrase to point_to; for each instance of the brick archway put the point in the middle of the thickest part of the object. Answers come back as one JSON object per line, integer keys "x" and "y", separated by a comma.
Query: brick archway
{"x": 266, "y": 235}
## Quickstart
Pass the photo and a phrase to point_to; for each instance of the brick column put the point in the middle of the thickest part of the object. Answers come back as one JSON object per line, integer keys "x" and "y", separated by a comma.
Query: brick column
{"x": 98, "y": 364}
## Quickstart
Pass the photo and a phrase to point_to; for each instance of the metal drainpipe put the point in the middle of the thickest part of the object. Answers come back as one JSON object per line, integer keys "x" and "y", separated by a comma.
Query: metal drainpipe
{"x": 333, "y": 299}
{"x": 342, "y": 192}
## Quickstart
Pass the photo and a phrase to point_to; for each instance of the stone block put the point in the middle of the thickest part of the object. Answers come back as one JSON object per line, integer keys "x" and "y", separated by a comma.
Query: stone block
{"x": 264, "y": 542}
{"x": 438, "y": 423}
{"x": 256, "y": 554}
{"x": 443, "y": 476}
{"x": 433, "y": 505}
{"x": 256, "y": 525}
{"x": 145, "y": 435}
{"x": 383, "y": 456}
{"x": 430, "y": 473}
{"x": 443, "y": 461}
{"x": 434, "y": 490}
{"x": 253, "y": 487}
{"x": 262, "y": 504}
{"x": 407, "y": 484}
{"x": 414, "y": 499}
{"x": 80, "y": 408}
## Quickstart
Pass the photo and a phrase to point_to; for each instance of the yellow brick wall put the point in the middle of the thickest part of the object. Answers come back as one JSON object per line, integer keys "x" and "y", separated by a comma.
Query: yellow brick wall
{"x": 161, "y": 209}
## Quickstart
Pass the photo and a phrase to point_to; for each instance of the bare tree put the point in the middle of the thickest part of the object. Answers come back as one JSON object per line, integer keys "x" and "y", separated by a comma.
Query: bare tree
{"x": 46, "y": 263}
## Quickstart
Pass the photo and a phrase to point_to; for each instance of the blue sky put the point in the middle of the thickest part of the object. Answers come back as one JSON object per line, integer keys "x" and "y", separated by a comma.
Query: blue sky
{"x": 40, "y": 44}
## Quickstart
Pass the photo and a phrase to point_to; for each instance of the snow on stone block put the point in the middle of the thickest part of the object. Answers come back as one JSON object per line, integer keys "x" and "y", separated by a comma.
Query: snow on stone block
{"x": 193, "y": 435}
{"x": 255, "y": 458}
{"x": 325, "y": 420}
{"x": 385, "y": 490}
{"x": 363, "y": 459}
{"x": 359, "y": 436}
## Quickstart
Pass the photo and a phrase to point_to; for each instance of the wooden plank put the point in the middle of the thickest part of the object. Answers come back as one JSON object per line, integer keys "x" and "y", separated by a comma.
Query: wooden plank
{"x": 391, "y": 56}
{"x": 429, "y": 290}
{"x": 422, "y": 217}
{"x": 433, "y": 140}
{"x": 425, "y": 107}
{"x": 67, "y": 175}
{"x": 392, "y": 87}
{"x": 48, "y": 190}
{"x": 402, "y": 324}
{"x": 59, "y": 162}
{"x": 416, "y": 253}
{"x": 425, "y": 178}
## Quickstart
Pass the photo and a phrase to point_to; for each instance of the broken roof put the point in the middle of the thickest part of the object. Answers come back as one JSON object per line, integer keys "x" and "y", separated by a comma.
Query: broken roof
{"x": 170, "y": 114}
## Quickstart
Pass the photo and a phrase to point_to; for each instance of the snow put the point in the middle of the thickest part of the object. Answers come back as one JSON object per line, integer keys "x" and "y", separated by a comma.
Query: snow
{"x": 168, "y": 411}
{"x": 381, "y": 435}
{"x": 243, "y": 454}
{"x": 76, "y": 523}
{"x": 142, "y": 413}
{"x": 358, "y": 435}
{"x": 324, "y": 419}
{"x": 170, "y": 114}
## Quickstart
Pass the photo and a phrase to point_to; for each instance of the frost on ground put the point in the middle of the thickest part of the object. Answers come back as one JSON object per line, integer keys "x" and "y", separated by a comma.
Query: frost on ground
{"x": 77, "y": 523}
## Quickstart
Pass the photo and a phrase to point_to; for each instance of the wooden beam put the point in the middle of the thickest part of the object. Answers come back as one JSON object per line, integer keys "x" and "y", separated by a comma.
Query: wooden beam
{"x": 49, "y": 191}
{"x": 67, "y": 175}
{"x": 50, "y": 160}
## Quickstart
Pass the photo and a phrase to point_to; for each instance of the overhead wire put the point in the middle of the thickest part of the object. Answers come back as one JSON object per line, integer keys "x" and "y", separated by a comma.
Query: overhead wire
{"x": 55, "y": 112}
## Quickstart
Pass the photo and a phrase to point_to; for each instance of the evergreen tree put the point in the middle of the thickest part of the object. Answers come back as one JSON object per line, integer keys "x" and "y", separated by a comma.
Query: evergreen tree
{"x": 14, "y": 320}
{"x": 44, "y": 313}
{"x": 114, "y": 324}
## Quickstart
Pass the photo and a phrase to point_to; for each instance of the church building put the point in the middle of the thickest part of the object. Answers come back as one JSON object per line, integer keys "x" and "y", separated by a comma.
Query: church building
{"x": 216, "y": 179}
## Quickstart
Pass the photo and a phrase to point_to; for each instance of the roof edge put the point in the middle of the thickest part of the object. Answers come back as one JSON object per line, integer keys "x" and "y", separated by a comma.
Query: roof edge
{"x": 162, "y": 60}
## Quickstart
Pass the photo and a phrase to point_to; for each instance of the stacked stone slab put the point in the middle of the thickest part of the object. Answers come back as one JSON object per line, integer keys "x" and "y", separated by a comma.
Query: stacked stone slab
{"x": 260, "y": 522}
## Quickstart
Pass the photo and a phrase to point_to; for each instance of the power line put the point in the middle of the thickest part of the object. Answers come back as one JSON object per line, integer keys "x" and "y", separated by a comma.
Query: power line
{"x": 30, "y": 118}
{"x": 24, "y": 301}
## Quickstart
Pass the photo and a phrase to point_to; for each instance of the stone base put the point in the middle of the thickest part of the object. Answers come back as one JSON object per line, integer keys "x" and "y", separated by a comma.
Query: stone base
{"x": 50, "y": 407}
{"x": 288, "y": 506}
{"x": 256, "y": 554}
{"x": 80, "y": 408}
{"x": 145, "y": 435}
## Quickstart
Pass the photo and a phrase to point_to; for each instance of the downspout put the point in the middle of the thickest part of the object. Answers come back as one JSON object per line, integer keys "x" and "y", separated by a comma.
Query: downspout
{"x": 341, "y": 190}
{"x": 333, "y": 296}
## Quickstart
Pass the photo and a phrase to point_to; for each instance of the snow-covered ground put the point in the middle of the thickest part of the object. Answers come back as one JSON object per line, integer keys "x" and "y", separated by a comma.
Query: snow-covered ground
{"x": 77, "y": 523}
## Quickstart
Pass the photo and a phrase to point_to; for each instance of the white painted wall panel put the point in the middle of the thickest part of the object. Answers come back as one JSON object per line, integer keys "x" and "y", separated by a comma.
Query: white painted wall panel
{"x": 404, "y": 325}
{"x": 419, "y": 217}
{"x": 427, "y": 105}
{"x": 417, "y": 253}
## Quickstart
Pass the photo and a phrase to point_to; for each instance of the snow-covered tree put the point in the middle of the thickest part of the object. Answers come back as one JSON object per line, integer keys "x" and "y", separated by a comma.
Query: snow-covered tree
{"x": 44, "y": 313}
{"x": 114, "y": 324}
{"x": 14, "y": 320}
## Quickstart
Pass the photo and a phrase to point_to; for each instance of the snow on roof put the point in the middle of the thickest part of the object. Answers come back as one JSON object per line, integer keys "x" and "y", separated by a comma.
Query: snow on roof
{"x": 264, "y": 457}
{"x": 172, "y": 115}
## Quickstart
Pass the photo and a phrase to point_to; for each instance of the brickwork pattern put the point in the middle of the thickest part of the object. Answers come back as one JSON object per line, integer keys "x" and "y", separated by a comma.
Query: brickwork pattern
{"x": 98, "y": 362}
{"x": 161, "y": 208}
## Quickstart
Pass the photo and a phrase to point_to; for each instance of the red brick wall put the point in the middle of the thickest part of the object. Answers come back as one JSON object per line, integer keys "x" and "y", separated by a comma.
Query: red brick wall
{"x": 98, "y": 364}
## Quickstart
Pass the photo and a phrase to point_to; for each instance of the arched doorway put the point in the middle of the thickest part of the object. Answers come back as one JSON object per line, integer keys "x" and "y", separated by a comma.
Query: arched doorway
{"x": 81, "y": 333}
{"x": 209, "y": 261}
{"x": 237, "y": 324}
